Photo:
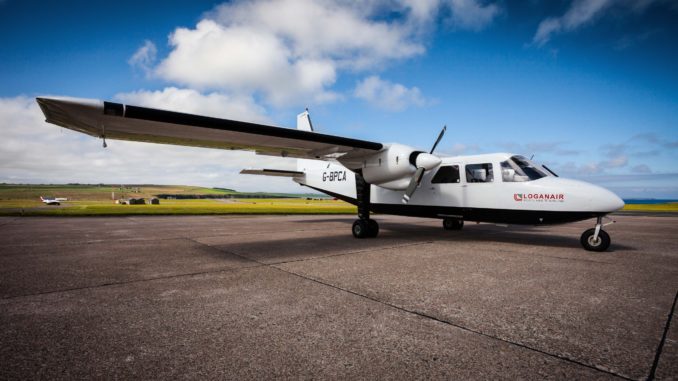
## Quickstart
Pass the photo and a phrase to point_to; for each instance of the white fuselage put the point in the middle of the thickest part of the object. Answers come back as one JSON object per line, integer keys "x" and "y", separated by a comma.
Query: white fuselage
{"x": 549, "y": 199}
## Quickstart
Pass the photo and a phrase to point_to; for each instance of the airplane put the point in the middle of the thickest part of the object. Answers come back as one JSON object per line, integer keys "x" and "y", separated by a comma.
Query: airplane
{"x": 51, "y": 200}
{"x": 388, "y": 178}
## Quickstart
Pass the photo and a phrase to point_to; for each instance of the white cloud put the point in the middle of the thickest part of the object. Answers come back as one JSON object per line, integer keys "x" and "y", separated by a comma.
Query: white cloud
{"x": 289, "y": 51}
{"x": 190, "y": 101}
{"x": 388, "y": 95}
{"x": 292, "y": 52}
{"x": 581, "y": 12}
{"x": 472, "y": 14}
{"x": 617, "y": 161}
{"x": 585, "y": 12}
{"x": 144, "y": 57}
{"x": 463, "y": 149}
{"x": 641, "y": 168}
{"x": 33, "y": 151}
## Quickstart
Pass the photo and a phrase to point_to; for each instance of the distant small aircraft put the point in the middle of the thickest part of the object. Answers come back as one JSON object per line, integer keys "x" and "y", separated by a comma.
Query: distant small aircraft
{"x": 52, "y": 200}
{"x": 389, "y": 178}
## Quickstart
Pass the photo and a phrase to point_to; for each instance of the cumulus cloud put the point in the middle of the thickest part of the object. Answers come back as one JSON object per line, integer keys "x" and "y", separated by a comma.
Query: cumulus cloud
{"x": 33, "y": 151}
{"x": 388, "y": 95}
{"x": 580, "y": 13}
{"x": 540, "y": 147}
{"x": 471, "y": 14}
{"x": 585, "y": 12}
{"x": 292, "y": 51}
{"x": 289, "y": 51}
{"x": 463, "y": 149}
{"x": 641, "y": 168}
{"x": 144, "y": 57}
{"x": 218, "y": 105}
{"x": 617, "y": 161}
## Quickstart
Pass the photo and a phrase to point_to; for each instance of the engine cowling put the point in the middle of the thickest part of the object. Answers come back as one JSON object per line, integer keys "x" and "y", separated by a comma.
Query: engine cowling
{"x": 393, "y": 167}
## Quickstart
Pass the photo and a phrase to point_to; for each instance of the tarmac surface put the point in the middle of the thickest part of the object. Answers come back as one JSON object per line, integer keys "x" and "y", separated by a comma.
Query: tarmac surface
{"x": 239, "y": 297}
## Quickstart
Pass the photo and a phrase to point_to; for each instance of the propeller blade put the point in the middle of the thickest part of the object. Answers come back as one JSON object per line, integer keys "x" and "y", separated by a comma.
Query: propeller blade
{"x": 440, "y": 136}
{"x": 423, "y": 162}
{"x": 414, "y": 183}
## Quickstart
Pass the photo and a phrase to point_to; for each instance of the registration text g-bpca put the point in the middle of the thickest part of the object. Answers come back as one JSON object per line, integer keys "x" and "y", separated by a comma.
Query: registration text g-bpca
{"x": 334, "y": 176}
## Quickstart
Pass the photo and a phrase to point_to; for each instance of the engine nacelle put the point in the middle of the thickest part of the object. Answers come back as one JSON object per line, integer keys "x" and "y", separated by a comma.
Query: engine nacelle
{"x": 390, "y": 168}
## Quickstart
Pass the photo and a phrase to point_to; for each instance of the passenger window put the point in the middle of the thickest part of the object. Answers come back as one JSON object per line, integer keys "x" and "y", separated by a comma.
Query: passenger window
{"x": 479, "y": 173}
{"x": 446, "y": 174}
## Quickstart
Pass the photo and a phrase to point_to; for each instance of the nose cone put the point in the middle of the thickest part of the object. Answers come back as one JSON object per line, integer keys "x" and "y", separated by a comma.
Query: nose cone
{"x": 618, "y": 203}
{"x": 427, "y": 161}
{"x": 604, "y": 200}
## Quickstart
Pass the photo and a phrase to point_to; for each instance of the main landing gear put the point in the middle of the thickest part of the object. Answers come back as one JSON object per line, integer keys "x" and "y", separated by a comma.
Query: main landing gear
{"x": 450, "y": 223}
{"x": 364, "y": 226}
{"x": 596, "y": 239}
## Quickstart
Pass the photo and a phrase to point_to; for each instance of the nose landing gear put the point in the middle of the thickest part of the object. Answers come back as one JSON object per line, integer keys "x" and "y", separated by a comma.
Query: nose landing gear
{"x": 596, "y": 239}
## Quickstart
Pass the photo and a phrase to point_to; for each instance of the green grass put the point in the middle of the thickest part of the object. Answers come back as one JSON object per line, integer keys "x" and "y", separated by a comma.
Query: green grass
{"x": 95, "y": 200}
{"x": 179, "y": 207}
{"x": 85, "y": 192}
{"x": 666, "y": 207}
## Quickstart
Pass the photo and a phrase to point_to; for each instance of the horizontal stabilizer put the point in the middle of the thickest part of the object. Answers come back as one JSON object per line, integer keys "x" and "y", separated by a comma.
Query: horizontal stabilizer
{"x": 271, "y": 172}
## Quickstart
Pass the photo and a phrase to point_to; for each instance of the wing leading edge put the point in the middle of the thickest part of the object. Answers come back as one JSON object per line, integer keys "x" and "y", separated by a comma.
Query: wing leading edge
{"x": 124, "y": 122}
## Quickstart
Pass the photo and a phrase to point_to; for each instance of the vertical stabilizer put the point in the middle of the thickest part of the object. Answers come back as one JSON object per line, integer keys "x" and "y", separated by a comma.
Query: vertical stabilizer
{"x": 304, "y": 121}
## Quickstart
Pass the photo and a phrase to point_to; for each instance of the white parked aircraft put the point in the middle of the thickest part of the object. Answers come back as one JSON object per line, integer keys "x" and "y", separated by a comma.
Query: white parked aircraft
{"x": 51, "y": 200}
{"x": 382, "y": 178}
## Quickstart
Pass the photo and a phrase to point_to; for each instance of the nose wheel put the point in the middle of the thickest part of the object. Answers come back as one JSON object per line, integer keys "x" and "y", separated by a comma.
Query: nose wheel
{"x": 596, "y": 239}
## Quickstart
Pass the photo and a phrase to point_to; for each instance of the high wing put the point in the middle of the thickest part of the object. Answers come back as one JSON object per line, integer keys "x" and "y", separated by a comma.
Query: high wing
{"x": 124, "y": 122}
{"x": 272, "y": 172}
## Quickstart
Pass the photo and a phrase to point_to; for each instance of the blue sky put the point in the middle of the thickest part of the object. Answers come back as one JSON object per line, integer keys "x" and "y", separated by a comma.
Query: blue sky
{"x": 587, "y": 87}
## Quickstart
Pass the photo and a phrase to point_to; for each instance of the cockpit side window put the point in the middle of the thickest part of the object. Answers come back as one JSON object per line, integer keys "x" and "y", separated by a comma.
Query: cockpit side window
{"x": 518, "y": 168}
{"x": 479, "y": 173}
{"x": 446, "y": 174}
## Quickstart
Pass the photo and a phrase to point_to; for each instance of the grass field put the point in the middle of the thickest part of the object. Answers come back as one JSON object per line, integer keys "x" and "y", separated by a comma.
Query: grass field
{"x": 180, "y": 207}
{"x": 665, "y": 207}
{"x": 95, "y": 200}
{"x": 98, "y": 192}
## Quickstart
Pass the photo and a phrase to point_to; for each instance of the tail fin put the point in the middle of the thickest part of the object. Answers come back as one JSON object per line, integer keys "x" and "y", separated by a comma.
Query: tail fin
{"x": 304, "y": 121}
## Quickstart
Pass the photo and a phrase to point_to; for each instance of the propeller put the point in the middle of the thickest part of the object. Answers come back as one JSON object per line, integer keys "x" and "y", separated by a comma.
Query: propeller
{"x": 423, "y": 162}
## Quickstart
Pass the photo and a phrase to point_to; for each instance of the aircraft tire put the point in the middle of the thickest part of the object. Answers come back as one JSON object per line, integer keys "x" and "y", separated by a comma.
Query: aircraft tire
{"x": 453, "y": 223}
{"x": 372, "y": 228}
{"x": 589, "y": 244}
{"x": 360, "y": 229}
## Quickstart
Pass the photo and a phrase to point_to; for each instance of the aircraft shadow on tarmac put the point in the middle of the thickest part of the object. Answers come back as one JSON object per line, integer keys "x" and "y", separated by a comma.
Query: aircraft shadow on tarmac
{"x": 301, "y": 247}
{"x": 528, "y": 235}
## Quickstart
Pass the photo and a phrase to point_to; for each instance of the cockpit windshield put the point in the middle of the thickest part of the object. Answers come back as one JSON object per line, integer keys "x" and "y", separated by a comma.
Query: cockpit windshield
{"x": 518, "y": 168}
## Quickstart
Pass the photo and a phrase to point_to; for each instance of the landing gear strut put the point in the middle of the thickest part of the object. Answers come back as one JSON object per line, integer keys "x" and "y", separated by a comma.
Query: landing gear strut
{"x": 364, "y": 227}
{"x": 596, "y": 239}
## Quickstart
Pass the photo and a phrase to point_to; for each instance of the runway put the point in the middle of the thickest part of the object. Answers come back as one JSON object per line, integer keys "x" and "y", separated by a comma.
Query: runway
{"x": 240, "y": 297}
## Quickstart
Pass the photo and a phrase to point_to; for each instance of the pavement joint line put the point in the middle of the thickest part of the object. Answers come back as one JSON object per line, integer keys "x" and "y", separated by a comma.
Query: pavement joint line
{"x": 458, "y": 326}
{"x": 243, "y": 256}
{"x": 418, "y": 313}
{"x": 259, "y": 265}
{"x": 353, "y": 252}
{"x": 660, "y": 347}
